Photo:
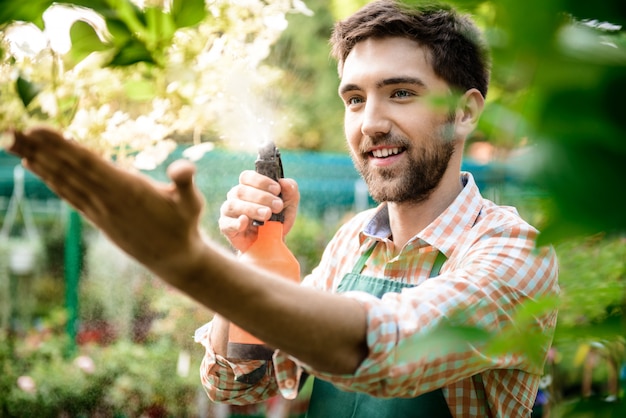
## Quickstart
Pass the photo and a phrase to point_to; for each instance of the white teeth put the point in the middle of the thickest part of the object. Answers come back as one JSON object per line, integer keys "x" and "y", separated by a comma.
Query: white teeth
{"x": 385, "y": 152}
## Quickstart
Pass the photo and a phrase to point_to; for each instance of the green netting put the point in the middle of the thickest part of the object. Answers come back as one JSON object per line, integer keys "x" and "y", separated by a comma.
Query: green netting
{"x": 326, "y": 180}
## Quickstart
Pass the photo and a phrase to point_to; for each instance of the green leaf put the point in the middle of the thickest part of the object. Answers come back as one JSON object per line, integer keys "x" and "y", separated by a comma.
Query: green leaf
{"x": 585, "y": 128}
{"x": 126, "y": 18}
{"x": 28, "y": 11}
{"x": 132, "y": 53}
{"x": 443, "y": 339}
{"x": 188, "y": 12}
{"x": 84, "y": 41}
{"x": 26, "y": 90}
{"x": 100, "y": 6}
{"x": 607, "y": 10}
{"x": 160, "y": 27}
{"x": 119, "y": 31}
{"x": 68, "y": 107}
{"x": 139, "y": 90}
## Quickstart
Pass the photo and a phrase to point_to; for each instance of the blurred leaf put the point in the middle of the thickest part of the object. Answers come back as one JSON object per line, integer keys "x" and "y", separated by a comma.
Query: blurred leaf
{"x": 130, "y": 15}
{"x": 159, "y": 27}
{"x": 68, "y": 106}
{"x": 140, "y": 90}
{"x": 596, "y": 331}
{"x": 84, "y": 41}
{"x": 188, "y": 12}
{"x": 594, "y": 408}
{"x": 521, "y": 335}
{"x": 103, "y": 7}
{"x": 445, "y": 338}
{"x": 585, "y": 129}
{"x": 28, "y": 11}
{"x": 120, "y": 33}
{"x": 131, "y": 53}
{"x": 26, "y": 90}
{"x": 607, "y": 10}
{"x": 529, "y": 41}
{"x": 468, "y": 4}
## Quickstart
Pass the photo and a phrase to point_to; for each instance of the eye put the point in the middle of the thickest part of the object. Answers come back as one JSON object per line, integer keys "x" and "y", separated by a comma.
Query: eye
{"x": 402, "y": 94}
{"x": 354, "y": 100}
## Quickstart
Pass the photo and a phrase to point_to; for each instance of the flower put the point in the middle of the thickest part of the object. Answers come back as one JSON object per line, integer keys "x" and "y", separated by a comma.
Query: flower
{"x": 85, "y": 363}
{"x": 27, "y": 384}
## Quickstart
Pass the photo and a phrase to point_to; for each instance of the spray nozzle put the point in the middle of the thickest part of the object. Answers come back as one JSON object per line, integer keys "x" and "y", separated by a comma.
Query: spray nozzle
{"x": 269, "y": 164}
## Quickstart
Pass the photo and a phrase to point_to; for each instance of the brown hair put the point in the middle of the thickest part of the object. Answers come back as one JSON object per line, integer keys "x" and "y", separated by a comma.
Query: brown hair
{"x": 458, "y": 52}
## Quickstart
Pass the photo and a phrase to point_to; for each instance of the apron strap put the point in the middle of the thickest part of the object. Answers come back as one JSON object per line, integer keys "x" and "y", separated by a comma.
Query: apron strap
{"x": 441, "y": 258}
{"x": 360, "y": 264}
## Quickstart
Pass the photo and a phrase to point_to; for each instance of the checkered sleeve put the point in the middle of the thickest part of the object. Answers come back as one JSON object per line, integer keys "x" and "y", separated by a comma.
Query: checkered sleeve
{"x": 240, "y": 383}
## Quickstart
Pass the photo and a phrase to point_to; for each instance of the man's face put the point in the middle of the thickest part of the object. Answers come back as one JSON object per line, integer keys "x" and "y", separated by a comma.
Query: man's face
{"x": 400, "y": 142}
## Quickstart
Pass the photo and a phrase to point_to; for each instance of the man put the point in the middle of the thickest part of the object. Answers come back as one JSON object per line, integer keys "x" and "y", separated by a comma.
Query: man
{"x": 365, "y": 322}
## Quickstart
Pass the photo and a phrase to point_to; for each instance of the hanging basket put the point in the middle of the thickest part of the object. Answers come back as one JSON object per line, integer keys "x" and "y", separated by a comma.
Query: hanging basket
{"x": 23, "y": 251}
{"x": 24, "y": 256}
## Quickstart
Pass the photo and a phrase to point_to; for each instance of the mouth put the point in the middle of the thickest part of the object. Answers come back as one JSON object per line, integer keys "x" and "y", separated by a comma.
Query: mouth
{"x": 386, "y": 152}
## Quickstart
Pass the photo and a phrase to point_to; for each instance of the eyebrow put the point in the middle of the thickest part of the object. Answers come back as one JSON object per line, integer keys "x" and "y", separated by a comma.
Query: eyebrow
{"x": 386, "y": 82}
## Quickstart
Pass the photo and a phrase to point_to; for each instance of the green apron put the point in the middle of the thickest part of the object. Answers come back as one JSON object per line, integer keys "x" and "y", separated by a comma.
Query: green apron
{"x": 329, "y": 402}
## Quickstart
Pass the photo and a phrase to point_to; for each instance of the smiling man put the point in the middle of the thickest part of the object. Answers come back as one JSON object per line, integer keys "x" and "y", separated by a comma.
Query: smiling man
{"x": 364, "y": 323}
{"x": 413, "y": 81}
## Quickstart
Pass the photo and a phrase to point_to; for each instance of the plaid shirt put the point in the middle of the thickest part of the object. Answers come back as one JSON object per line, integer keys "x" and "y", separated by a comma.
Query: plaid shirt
{"x": 492, "y": 268}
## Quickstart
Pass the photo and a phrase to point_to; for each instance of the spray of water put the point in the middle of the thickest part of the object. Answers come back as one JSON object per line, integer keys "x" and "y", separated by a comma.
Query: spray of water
{"x": 248, "y": 117}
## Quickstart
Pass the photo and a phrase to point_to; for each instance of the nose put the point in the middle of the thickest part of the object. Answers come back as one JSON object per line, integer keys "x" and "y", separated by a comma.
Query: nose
{"x": 375, "y": 121}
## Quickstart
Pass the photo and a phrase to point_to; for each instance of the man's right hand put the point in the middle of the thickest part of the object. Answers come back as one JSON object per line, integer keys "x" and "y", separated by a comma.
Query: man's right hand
{"x": 256, "y": 198}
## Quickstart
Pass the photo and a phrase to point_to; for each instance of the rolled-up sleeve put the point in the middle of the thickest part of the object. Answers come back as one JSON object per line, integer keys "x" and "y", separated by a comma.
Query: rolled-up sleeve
{"x": 235, "y": 383}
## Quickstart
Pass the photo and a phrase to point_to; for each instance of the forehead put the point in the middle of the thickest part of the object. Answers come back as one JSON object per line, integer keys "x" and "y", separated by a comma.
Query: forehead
{"x": 376, "y": 59}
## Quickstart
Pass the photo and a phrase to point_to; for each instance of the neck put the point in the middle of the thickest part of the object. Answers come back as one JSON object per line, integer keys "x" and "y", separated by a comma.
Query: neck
{"x": 408, "y": 219}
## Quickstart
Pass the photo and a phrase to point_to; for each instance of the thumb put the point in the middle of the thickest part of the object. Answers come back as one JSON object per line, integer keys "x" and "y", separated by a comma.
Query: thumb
{"x": 182, "y": 172}
{"x": 291, "y": 199}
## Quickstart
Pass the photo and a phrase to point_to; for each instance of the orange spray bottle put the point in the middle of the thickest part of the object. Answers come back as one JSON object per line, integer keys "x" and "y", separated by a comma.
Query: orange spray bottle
{"x": 268, "y": 252}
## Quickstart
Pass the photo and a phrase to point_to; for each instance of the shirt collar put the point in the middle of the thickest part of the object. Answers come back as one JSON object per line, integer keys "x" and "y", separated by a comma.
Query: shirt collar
{"x": 444, "y": 231}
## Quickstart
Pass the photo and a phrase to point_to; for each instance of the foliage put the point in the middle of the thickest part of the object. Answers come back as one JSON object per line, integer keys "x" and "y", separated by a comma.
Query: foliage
{"x": 557, "y": 88}
{"x": 120, "y": 379}
{"x": 593, "y": 278}
{"x": 121, "y": 373}
{"x": 309, "y": 86}
{"x": 307, "y": 240}
{"x": 564, "y": 71}
{"x": 150, "y": 76}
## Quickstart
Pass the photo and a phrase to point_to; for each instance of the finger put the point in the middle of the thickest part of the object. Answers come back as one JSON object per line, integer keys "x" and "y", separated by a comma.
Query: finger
{"x": 291, "y": 200}
{"x": 64, "y": 166}
{"x": 257, "y": 199}
{"x": 231, "y": 227}
{"x": 77, "y": 200}
{"x": 182, "y": 172}
{"x": 235, "y": 207}
{"x": 290, "y": 192}
{"x": 259, "y": 181}
{"x": 82, "y": 178}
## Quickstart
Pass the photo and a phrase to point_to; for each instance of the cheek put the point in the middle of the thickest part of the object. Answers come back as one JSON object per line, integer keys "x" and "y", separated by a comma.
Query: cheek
{"x": 352, "y": 131}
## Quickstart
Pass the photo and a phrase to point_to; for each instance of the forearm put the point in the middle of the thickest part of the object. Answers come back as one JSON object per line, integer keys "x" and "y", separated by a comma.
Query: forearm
{"x": 324, "y": 331}
{"x": 219, "y": 335}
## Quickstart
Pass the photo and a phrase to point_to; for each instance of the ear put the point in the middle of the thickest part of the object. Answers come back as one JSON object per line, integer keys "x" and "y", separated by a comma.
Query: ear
{"x": 470, "y": 107}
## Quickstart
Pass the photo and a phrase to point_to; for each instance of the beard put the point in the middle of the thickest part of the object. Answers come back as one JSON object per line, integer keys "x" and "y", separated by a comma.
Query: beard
{"x": 417, "y": 178}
